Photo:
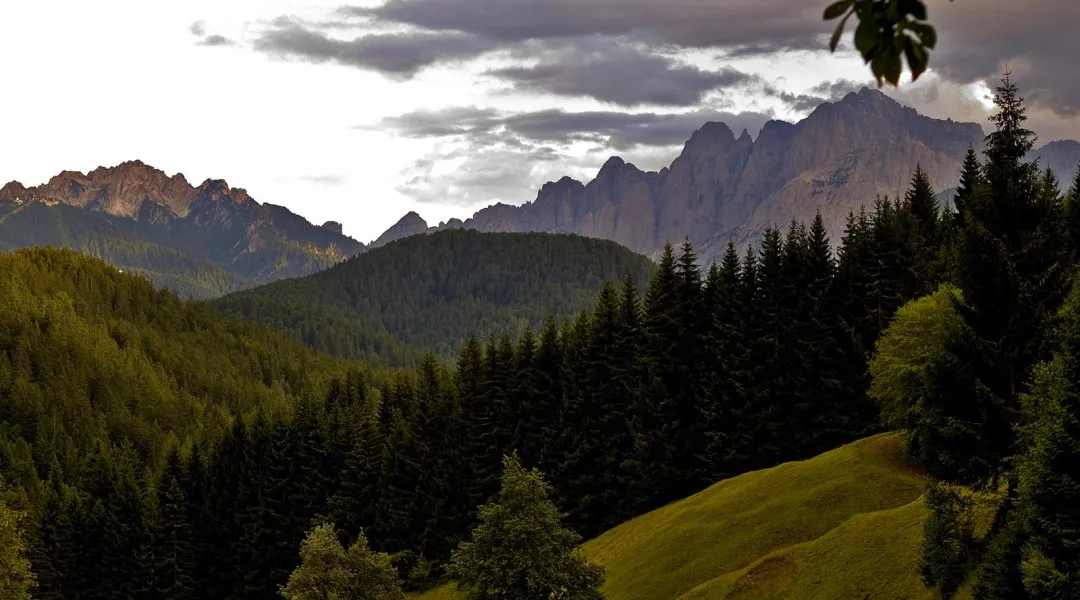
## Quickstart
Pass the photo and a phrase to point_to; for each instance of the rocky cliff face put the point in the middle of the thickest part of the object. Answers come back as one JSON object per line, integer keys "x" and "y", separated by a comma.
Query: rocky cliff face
{"x": 147, "y": 212}
{"x": 1063, "y": 158}
{"x": 723, "y": 186}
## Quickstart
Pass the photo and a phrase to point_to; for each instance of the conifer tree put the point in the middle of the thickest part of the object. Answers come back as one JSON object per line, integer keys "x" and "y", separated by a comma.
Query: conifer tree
{"x": 970, "y": 179}
{"x": 1008, "y": 263}
{"x": 545, "y": 403}
{"x": 728, "y": 371}
{"x": 174, "y": 566}
{"x": 923, "y": 238}
{"x": 1072, "y": 216}
{"x": 1050, "y": 469}
{"x": 17, "y": 581}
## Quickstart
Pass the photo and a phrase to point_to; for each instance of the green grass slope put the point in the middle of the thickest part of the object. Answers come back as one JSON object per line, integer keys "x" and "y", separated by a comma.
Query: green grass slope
{"x": 845, "y": 524}
{"x": 433, "y": 291}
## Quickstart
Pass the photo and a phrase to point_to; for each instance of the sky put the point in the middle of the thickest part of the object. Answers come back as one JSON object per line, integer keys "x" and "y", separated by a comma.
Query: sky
{"x": 361, "y": 112}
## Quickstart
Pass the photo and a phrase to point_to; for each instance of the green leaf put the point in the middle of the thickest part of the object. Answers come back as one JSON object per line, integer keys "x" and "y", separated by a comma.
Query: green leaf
{"x": 927, "y": 34}
{"x": 866, "y": 38}
{"x": 839, "y": 31}
{"x": 916, "y": 9}
{"x": 838, "y": 8}
{"x": 892, "y": 65}
{"x": 917, "y": 58}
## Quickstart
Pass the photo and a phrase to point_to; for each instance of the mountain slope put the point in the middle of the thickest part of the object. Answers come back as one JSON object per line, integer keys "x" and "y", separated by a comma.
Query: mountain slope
{"x": 89, "y": 353}
{"x": 199, "y": 241}
{"x": 722, "y": 186}
{"x": 432, "y": 291}
{"x": 845, "y": 524}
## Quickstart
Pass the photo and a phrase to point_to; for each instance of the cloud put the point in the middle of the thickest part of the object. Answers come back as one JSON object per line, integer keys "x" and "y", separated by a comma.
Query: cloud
{"x": 611, "y": 129}
{"x": 615, "y": 71}
{"x": 468, "y": 174}
{"x": 395, "y": 54}
{"x": 198, "y": 28}
{"x": 1037, "y": 39}
{"x": 684, "y": 23}
{"x": 328, "y": 180}
{"x": 216, "y": 40}
{"x": 826, "y": 91}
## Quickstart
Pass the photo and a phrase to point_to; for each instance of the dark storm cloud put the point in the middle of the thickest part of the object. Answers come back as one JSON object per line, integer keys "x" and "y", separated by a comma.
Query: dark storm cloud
{"x": 399, "y": 54}
{"x": 1036, "y": 38}
{"x": 617, "y": 130}
{"x": 612, "y": 70}
{"x": 686, "y": 23}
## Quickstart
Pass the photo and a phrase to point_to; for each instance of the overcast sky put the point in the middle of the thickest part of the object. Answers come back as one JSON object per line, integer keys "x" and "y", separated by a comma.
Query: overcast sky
{"x": 359, "y": 113}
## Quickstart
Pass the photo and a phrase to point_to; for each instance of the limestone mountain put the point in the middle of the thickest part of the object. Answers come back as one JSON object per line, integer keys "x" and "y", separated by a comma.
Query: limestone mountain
{"x": 1063, "y": 158}
{"x": 201, "y": 241}
{"x": 722, "y": 186}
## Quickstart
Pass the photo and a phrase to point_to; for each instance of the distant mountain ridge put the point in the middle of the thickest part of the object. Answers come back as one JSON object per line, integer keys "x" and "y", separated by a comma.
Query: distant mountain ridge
{"x": 842, "y": 156}
{"x": 201, "y": 241}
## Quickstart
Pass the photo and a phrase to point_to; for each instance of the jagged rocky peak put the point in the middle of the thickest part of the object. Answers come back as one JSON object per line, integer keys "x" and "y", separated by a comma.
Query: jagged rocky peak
{"x": 332, "y": 226}
{"x": 411, "y": 224}
{"x": 12, "y": 191}
{"x": 712, "y": 136}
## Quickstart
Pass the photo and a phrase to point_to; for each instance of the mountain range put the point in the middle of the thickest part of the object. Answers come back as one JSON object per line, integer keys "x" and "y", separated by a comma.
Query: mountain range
{"x": 721, "y": 187}
{"x": 201, "y": 241}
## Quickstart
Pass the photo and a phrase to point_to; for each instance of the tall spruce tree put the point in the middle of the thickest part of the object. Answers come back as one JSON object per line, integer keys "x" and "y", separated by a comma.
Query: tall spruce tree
{"x": 1008, "y": 263}
{"x": 970, "y": 179}
{"x": 174, "y": 568}
{"x": 1072, "y": 216}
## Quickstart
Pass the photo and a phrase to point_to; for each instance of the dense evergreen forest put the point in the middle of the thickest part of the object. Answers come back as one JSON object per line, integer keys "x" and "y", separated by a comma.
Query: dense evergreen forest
{"x": 158, "y": 451}
{"x": 431, "y": 291}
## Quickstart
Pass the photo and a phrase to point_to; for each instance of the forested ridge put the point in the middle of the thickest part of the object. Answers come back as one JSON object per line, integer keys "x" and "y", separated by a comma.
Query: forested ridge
{"x": 958, "y": 323}
{"x": 431, "y": 291}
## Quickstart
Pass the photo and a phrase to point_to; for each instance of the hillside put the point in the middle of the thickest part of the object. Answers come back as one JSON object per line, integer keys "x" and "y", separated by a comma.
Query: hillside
{"x": 200, "y": 241}
{"x": 99, "y": 355}
{"x": 845, "y": 524}
{"x": 432, "y": 291}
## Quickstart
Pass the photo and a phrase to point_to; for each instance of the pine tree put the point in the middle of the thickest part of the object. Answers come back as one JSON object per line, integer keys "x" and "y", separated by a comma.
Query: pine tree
{"x": 16, "y": 579}
{"x": 970, "y": 179}
{"x": 771, "y": 392}
{"x": 1050, "y": 469}
{"x": 923, "y": 237}
{"x": 1072, "y": 216}
{"x": 1008, "y": 263}
{"x": 545, "y": 401}
{"x": 174, "y": 565}
{"x": 396, "y": 527}
{"x": 729, "y": 370}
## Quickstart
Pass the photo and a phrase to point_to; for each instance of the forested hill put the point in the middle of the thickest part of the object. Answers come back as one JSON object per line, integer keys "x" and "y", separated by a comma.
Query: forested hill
{"x": 432, "y": 291}
{"x": 92, "y": 359}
